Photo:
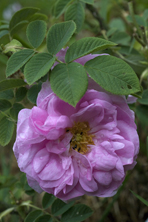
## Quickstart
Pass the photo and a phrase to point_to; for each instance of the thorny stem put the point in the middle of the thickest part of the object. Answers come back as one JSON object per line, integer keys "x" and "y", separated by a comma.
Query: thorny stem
{"x": 135, "y": 23}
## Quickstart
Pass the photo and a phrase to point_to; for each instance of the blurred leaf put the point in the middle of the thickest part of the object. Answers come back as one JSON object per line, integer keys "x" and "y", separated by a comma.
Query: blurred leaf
{"x": 120, "y": 38}
{"x": 6, "y": 130}
{"x": 59, "y": 207}
{"x": 118, "y": 24}
{"x": 58, "y": 35}
{"x": 12, "y": 46}
{"x": 18, "y": 27}
{"x": 60, "y": 6}
{"x": 140, "y": 198}
{"x": 76, "y": 13}
{"x": 3, "y": 59}
{"x": 21, "y": 15}
{"x": 33, "y": 215}
{"x": 144, "y": 75}
{"x": 144, "y": 99}
{"x": 8, "y": 94}
{"x": 33, "y": 93}
{"x": 4, "y": 105}
{"x": 6, "y": 212}
{"x": 47, "y": 200}
{"x": 38, "y": 66}
{"x": 69, "y": 82}
{"x": 36, "y": 31}
{"x": 113, "y": 74}
{"x": 11, "y": 83}
{"x": 44, "y": 218}
{"x": 4, "y": 27}
{"x": 20, "y": 94}
{"x": 38, "y": 16}
{"x": 140, "y": 20}
{"x": 17, "y": 60}
{"x": 142, "y": 114}
{"x": 3, "y": 33}
{"x": 86, "y": 46}
{"x": 91, "y": 2}
{"x": 15, "y": 110}
{"x": 78, "y": 213}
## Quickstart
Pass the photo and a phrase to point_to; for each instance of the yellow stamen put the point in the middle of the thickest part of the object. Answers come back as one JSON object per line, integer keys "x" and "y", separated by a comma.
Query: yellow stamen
{"x": 81, "y": 138}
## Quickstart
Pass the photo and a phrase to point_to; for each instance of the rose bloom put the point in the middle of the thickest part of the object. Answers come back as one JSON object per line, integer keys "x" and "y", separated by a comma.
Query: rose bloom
{"x": 69, "y": 151}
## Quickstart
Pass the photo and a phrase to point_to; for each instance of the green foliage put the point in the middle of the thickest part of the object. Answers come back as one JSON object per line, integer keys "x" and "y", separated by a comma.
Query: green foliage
{"x": 8, "y": 94}
{"x": 144, "y": 99}
{"x": 59, "y": 207}
{"x": 11, "y": 83}
{"x": 3, "y": 33}
{"x": 38, "y": 67}
{"x": 15, "y": 110}
{"x": 6, "y": 130}
{"x": 91, "y": 2}
{"x": 4, "y": 105}
{"x": 20, "y": 94}
{"x": 47, "y": 200}
{"x": 33, "y": 215}
{"x": 60, "y": 7}
{"x": 77, "y": 213}
{"x": 69, "y": 82}
{"x": 33, "y": 93}
{"x": 76, "y": 13}
{"x": 17, "y": 60}
{"x": 113, "y": 74}
{"x": 44, "y": 218}
{"x": 21, "y": 15}
{"x": 13, "y": 46}
{"x": 140, "y": 198}
{"x": 36, "y": 31}
{"x": 86, "y": 46}
{"x": 58, "y": 35}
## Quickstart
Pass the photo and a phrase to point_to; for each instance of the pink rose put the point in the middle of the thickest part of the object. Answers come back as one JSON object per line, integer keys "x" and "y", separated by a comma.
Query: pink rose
{"x": 71, "y": 151}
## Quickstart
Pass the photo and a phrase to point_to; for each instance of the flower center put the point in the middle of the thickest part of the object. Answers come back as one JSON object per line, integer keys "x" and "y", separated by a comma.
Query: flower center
{"x": 81, "y": 138}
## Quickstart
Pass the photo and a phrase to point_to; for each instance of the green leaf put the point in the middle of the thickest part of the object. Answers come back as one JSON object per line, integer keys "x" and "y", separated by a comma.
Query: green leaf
{"x": 3, "y": 33}
{"x": 78, "y": 213}
{"x": 76, "y": 13}
{"x": 15, "y": 110}
{"x": 4, "y": 27}
{"x": 8, "y": 94}
{"x": 113, "y": 74}
{"x": 36, "y": 31}
{"x": 44, "y": 218}
{"x": 21, "y": 15}
{"x": 91, "y": 2}
{"x": 69, "y": 82}
{"x": 140, "y": 198}
{"x": 6, "y": 130}
{"x": 18, "y": 27}
{"x": 11, "y": 83}
{"x": 33, "y": 93}
{"x": 47, "y": 200}
{"x": 38, "y": 66}
{"x": 33, "y": 215}
{"x": 6, "y": 212}
{"x": 38, "y": 16}
{"x": 144, "y": 99}
{"x": 4, "y": 105}
{"x": 59, "y": 207}
{"x": 60, "y": 6}
{"x": 12, "y": 46}
{"x": 17, "y": 60}
{"x": 3, "y": 59}
{"x": 147, "y": 146}
{"x": 120, "y": 38}
{"x": 20, "y": 94}
{"x": 86, "y": 46}
{"x": 58, "y": 35}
